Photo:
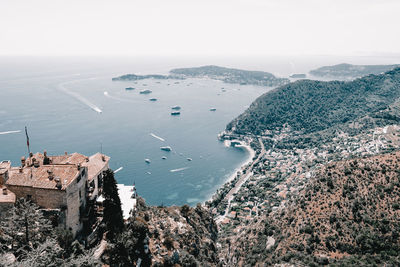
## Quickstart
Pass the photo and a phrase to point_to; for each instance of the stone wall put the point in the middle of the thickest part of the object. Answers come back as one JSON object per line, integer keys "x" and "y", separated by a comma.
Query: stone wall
{"x": 99, "y": 176}
{"x": 71, "y": 201}
{"x": 46, "y": 198}
{"x": 76, "y": 201}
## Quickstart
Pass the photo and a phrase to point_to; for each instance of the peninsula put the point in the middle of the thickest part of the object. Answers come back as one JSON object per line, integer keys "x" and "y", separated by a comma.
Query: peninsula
{"x": 346, "y": 71}
{"x": 230, "y": 75}
{"x": 227, "y": 75}
{"x": 134, "y": 77}
{"x": 328, "y": 153}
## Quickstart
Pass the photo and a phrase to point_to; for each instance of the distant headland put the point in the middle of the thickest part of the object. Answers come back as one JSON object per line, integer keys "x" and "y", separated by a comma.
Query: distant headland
{"x": 349, "y": 71}
{"x": 227, "y": 75}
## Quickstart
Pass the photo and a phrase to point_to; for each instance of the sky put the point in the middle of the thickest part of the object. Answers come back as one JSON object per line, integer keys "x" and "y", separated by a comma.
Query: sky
{"x": 197, "y": 28}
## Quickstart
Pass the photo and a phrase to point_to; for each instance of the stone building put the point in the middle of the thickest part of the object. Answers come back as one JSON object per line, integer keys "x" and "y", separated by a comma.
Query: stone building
{"x": 7, "y": 198}
{"x": 96, "y": 164}
{"x": 61, "y": 185}
{"x": 5, "y": 165}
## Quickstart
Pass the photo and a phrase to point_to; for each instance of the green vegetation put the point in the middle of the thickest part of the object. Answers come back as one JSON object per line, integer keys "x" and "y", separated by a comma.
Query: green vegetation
{"x": 344, "y": 70}
{"x": 332, "y": 216}
{"x": 310, "y": 106}
{"x": 25, "y": 227}
{"x": 298, "y": 76}
{"x": 27, "y": 238}
{"x": 231, "y": 75}
{"x": 213, "y": 72}
{"x": 113, "y": 217}
{"x": 180, "y": 236}
{"x": 134, "y": 77}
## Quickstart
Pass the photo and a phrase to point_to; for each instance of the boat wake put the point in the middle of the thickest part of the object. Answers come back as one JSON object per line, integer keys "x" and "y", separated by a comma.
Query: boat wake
{"x": 79, "y": 97}
{"x": 117, "y": 170}
{"x": 106, "y": 94}
{"x": 10, "y": 132}
{"x": 157, "y": 137}
{"x": 180, "y": 169}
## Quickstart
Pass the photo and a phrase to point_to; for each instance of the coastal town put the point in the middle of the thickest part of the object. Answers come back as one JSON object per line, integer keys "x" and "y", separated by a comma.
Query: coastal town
{"x": 276, "y": 175}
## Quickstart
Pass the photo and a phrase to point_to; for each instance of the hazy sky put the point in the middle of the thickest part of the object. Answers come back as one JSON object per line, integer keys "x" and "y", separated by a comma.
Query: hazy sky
{"x": 203, "y": 27}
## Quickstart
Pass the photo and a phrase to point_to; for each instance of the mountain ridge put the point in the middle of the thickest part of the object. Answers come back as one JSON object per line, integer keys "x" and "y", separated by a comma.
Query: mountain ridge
{"x": 349, "y": 71}
{"x": 310, "y": 106}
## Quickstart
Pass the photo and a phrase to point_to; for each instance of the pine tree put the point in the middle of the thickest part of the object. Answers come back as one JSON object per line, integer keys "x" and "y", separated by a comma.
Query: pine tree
{"x": 47, "y": 253}
{"x": 25, "y": 226}
{"x": 113, "y": 217}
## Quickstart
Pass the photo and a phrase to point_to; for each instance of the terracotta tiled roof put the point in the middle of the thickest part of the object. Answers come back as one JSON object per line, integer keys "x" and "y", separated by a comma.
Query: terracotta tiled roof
{"x": 39, "y": 177}
{"x": 95, "y": 164}
{"x": 74, "y": 158}
{"x": 63, "y": 167}
{"x": 4, "y": 166}
{"x": 9, "y": 198}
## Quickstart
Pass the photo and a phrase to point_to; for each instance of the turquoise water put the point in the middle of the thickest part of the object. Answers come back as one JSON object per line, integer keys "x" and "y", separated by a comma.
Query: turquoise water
{"x": 56, "y": 100}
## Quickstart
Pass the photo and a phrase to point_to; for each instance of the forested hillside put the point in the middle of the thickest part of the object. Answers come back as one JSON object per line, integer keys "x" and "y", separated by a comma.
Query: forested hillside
{"x": 347, "y": 215}
{"x": 230, "y": 75}
{"x": 310, "y": 106}
{"x": 346, "y": 71}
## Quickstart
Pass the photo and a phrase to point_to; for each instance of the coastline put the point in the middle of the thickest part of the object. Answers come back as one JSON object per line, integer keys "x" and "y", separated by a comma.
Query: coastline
{"x": 231, "y": 177}
{"x": 249, "y": 160}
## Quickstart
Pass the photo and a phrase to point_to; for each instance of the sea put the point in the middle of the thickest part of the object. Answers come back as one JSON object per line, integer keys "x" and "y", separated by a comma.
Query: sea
{"x": 70, "y": 104}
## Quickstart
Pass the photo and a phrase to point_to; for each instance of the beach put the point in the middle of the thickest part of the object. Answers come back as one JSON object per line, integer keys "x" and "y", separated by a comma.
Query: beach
{"x": 242, "y": 166}
{"x": 247, "y": 171}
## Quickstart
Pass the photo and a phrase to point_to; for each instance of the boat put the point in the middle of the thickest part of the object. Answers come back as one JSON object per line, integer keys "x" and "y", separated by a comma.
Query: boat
{"x": 175, "y": 113}
{"x": 164, "y": 157}
{"x": 147, "y": 160}
{"x": 166, "y": 148}
{"x": 213, "y": 109}
{"x": 176, "y": 107}
{"x": 189, "y": 159}
{"x": 153, "y": 99}
{"x": 130, "y": 88}
{"x": 145, "y": 91}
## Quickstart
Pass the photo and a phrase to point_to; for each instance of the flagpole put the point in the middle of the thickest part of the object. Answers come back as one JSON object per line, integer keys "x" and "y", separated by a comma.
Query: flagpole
{"x": 27, "y": 141}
